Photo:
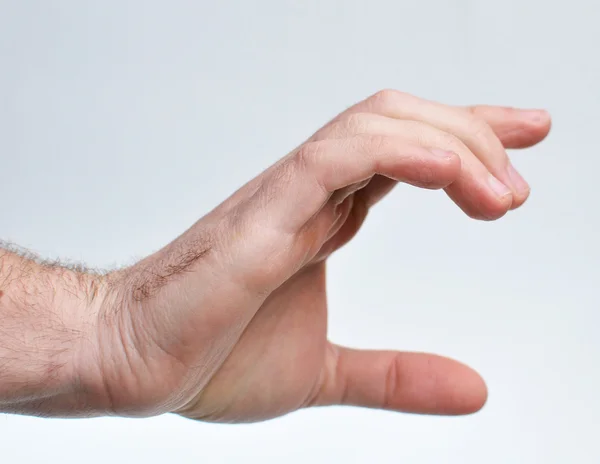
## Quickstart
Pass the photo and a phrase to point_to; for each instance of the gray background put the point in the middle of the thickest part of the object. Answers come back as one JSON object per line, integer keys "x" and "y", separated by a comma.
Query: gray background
{"x": 122, "y": 122}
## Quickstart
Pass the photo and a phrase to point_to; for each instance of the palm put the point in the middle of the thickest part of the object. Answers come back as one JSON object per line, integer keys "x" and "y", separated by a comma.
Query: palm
{"x": 276, "y": 365}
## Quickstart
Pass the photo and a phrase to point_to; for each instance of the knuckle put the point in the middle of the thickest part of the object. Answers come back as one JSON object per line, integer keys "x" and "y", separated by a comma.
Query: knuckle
{"x": 310, "y": 161}
{"x": 475, "y": 110}
{"x": 478, "y": 130}
{"x": 357, "y": 123}
{"x": 335, "y": 129}
{"x": 279, "y": 178}
{"x": 426, "y": 136}
{"x": 375, "y": 148}
{"x": 374, "y": 144}
{"x": 386, "y": 97}
{"x": 449, "y": 141}
{"x": 387, "y": 94}
{"x": 308, "y": 154}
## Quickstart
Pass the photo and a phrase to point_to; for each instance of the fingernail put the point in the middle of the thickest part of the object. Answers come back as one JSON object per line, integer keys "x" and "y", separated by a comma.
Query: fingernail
{"x": 519, "y": 183}
{"x": 534, "y": 115}
{"x": 441, "y": 153}
{"x": 498, "y": 187}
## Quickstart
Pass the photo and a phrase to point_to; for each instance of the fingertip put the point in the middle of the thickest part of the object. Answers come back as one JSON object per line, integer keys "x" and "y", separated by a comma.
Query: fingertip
{"x": 519, "y": 187}
{"x": 462, "y": 390}
{"x": 480, "y": 400}
{"x": 479, "y": 203}
{"x": 548, "y": 121}
{"x": 475, "y": 394}
{"x": 495, "y": 201}
{"x": 536, "y": 116}
{"x": 519, "y": 200}
{"x": 541, "y": 118}
{"x": 467, "y": 392}
{"x": 516, "y": 127}
{"x": 535, "y": 127}
{"x": 539, "y": 122}
{"x": 497, "y": 210}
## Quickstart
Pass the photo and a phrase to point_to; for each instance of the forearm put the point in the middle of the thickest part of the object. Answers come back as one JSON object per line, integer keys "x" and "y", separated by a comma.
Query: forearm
{"x": 47, "y": 316}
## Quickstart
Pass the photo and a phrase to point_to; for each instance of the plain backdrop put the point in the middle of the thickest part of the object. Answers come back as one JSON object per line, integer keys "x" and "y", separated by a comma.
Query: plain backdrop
{"x": 122, "y": 122}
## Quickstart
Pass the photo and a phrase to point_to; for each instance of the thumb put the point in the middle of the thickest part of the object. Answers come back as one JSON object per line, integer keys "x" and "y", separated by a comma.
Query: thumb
{"x": 516, "y": 128}
{"x": 408, "y": 382}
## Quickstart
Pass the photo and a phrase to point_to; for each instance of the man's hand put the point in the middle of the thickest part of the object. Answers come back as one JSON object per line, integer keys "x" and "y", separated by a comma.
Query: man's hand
{"x": 229, "y": 321}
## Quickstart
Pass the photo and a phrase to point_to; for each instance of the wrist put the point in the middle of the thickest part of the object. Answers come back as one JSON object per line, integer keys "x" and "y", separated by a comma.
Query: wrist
{"x": 46, "y": 327}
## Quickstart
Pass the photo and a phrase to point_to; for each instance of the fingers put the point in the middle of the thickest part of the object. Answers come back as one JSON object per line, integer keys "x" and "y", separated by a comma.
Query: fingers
{"x": 476, "y": 191}
{"x": 408, "y": 382}
{"x": 474, "y": 132}
{"x": 472, "y": 127}
{"x": 336, "y": 164}
{"x": 514, "y": 127}
{"x": 318, "y": 169}
{"x": 285, "y": 222}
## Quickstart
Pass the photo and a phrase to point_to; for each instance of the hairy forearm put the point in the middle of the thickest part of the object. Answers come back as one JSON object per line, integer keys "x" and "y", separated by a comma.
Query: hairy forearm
{"x": 76, "y": 343}
{"x": 47, "y": 315}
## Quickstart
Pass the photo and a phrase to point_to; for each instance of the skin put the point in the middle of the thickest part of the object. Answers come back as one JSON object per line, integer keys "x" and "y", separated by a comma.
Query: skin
{"x": 228, "y": 323}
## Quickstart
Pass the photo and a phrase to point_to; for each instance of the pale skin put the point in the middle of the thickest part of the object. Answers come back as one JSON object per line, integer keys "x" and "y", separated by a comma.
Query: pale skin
{"x": 228, "y": 322}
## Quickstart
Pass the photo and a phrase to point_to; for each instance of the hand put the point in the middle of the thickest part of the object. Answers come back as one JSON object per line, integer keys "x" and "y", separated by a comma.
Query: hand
{"x": 229, "y": 321}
